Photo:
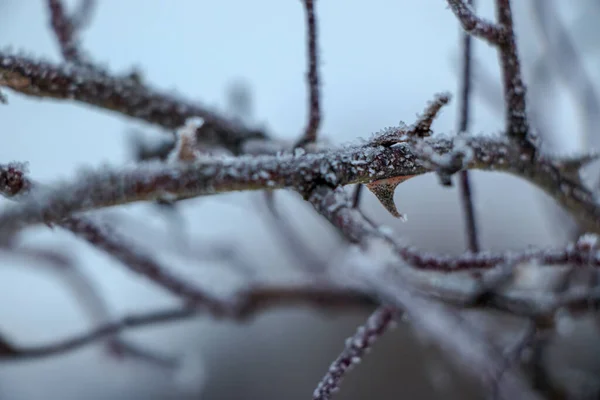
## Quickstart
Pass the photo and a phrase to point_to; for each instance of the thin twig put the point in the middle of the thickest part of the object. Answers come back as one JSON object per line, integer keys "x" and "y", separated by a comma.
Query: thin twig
{"x": 123, "y": 95}
{"x": 89, "y": 298}
{"x": 422, "y": 127}
{"x": 466, "y": 194}
{"x": 517, "y": 124}
{"x": 354, "y": 350}
{"x": 65, "y": 31}
{"x": 246, "y": 304}
{"x": 314, "y": 107}
{"x": 357, "y": 196}
{"x": 474, "y": 25}
{"x": 502, "y": 36}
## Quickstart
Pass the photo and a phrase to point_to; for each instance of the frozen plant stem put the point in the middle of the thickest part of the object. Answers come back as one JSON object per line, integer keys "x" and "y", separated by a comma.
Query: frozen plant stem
{"x": 120, "y": 94}
{"x": 65, "y": 31}
{"x": 312, "y": 76}
{"x": 465, "y": 186}
{"x": 502, "y": 36}
{"x": 354, "y": 350}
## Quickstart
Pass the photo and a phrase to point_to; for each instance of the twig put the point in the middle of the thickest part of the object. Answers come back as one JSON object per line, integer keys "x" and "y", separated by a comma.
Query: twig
{"x": 88, "y": 297}
{"x": 502, "y": 36}
{"x": 474, "y": 25}
{"x": 356, "y": 196}
{"x": 106, "y": 239}
{"x": 347, "y": 165}
{"x": 65, "y": 31}
{"x": 449, "y": 330}
{"x": 422, "y": 127}
{"x": 415, "y": 267}
{"x": 466, "y": 194}
{"x": 314, "y": 107}
{"x": 517, "y": 124}
{"x": 247, "y": 304}
{"x": 123, "y": 95}
{"x": 356, "y": 347}
{"x": 514, "y": 354}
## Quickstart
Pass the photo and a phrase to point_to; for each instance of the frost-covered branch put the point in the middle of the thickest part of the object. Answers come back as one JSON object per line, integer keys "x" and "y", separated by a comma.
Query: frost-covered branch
{"x": 443, "y": 277}
{"x": 355, "y": 348}
{"x": 66, "y": 29}
{"x": 124, "y": 95}
{"x": 475, "y": 25}
{"x": 301, "y": 171}
{"x": 502, "y": 35}
{"x": 465, "y": 184}
{"x": 87, "y": 296}
{"x": 246, "y": 304}
{"x": 312, "y": 76}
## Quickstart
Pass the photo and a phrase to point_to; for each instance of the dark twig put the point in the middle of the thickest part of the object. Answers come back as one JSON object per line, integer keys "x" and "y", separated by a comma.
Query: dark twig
{"x": 247, "y": 304}
{"x": 502, "y": 36}
{"x": 106, "y": 239}
{"x": 123, "y": 95}
{"x": 65, "y": 31}
{"x": 422, "y": 127}
{"x": 517, "y": 124}
{"x": 356, "y": 196}
{"x": 90, "y": 300}
{"x": 514, "y": 354}
{"x": 354, "y": 350}
{"x": 475, "y": 25}
{"x": 314, "y": 107}
{"x": 463, "y": 126}
{"x": 447, "y": 327}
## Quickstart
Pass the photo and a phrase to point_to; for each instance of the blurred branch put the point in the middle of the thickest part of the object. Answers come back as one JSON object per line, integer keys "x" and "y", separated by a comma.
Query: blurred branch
{"x": 246, "y": 304}
{"x": 124, "y": 95}
{"x": 67, "y": 31}
{"x": 355, "y": 349}
{"x": 312, "y": 76}
{"x": 502, "y": 36}
{"x": 88, "y": 296}
{"x": 466, "y": 194}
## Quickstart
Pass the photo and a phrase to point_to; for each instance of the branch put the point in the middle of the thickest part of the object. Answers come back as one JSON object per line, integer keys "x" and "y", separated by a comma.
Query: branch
{"x": 87, "y": 297}
{"x": 247, "y": 304}
{"x": 302, "y": 172}
{"x": 312, "y": 76}
{"x": 466, "y": 192}
{"x": 502, "y": 36}
{"x": 517, "y": 124}
{"x": 124, "y": 95}
{"x": 66, "y": 32}
{"x": 474, "y": 25}
{"x": 409, "y": 266}
{"x": 355, "y": 349}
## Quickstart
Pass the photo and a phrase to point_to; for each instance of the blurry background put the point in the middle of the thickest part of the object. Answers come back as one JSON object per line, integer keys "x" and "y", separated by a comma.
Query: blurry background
{"x": 380, "y": 63}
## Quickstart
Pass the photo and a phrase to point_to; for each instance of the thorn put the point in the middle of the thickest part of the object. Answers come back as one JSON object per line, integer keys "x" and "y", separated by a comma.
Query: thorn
{"x": 572, "y": 165}
{"x": 384, "y": 190}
